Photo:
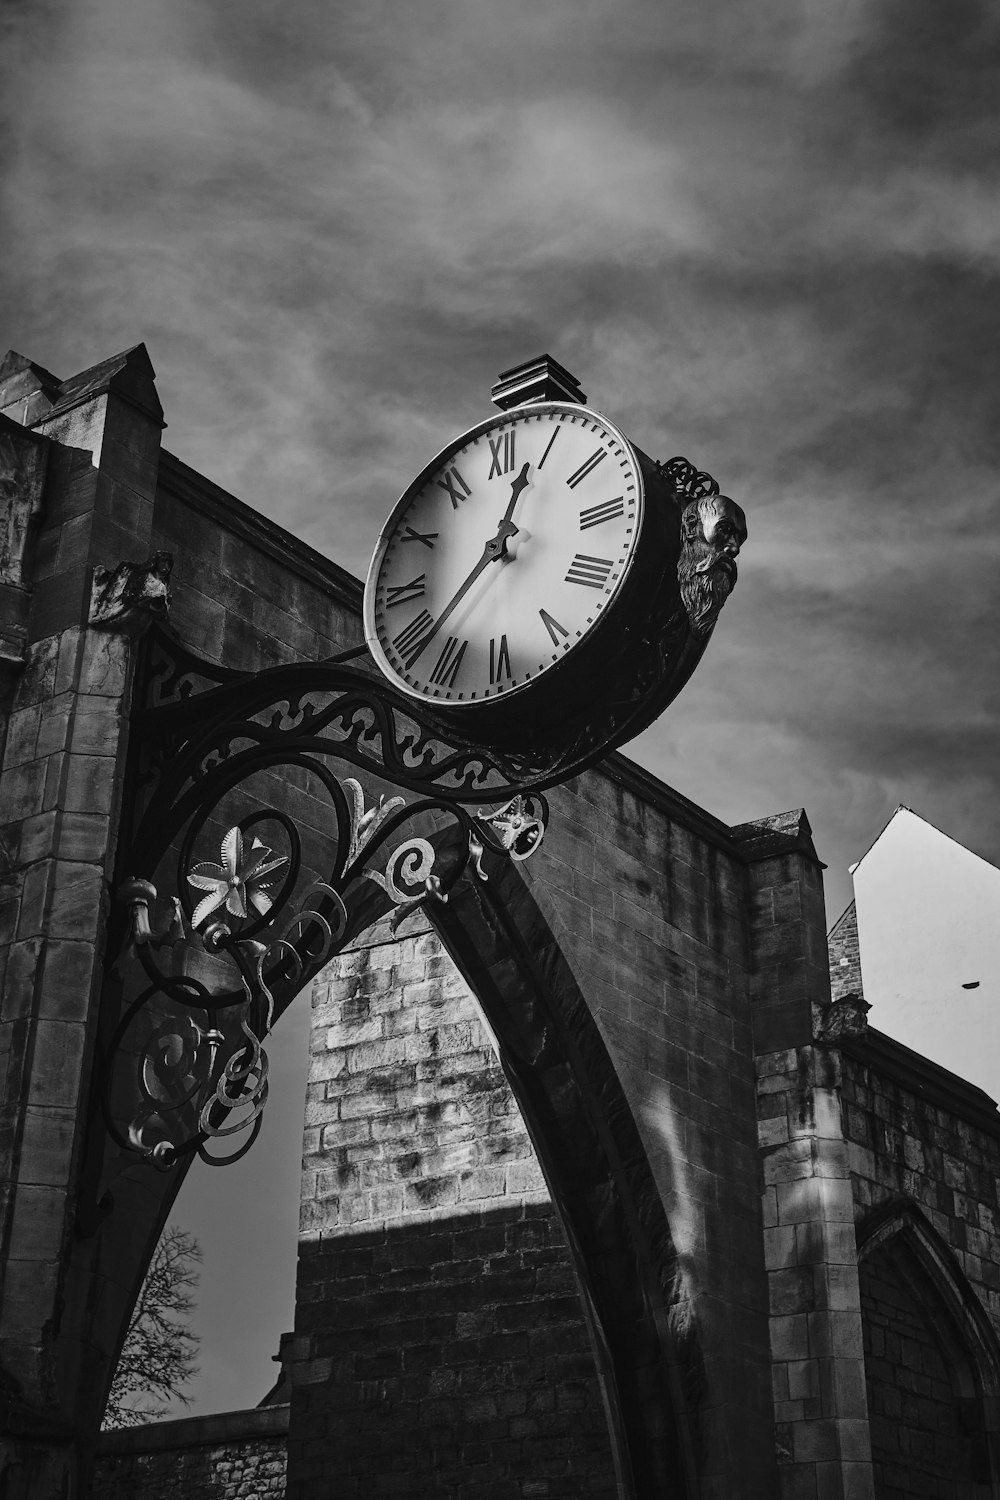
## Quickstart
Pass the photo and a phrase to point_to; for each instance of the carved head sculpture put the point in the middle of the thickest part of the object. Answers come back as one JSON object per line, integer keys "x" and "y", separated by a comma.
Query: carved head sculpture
{"x": 713, "y": 529}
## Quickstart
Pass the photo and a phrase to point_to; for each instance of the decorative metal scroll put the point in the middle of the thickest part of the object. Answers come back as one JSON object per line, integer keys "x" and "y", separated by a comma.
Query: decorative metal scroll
{"x": 253, "y": 864}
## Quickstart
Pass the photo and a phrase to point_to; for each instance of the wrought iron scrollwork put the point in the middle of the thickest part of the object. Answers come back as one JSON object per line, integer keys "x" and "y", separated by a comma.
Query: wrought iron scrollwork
{"x": 225, "y": 921}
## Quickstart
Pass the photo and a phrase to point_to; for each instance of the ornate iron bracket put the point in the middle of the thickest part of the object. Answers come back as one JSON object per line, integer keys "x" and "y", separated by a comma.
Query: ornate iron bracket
{"x": 252, "y": 864}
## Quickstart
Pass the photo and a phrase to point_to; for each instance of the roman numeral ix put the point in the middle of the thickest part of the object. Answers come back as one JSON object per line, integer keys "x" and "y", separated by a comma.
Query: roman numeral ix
{"x": 591, "y": 571}
{"x": 587, "y": 468}
{"x": 596, "y": 515}
{"x": 447, "y": 665}
{"x": 502, "y": 463}
{"x": 453, "y": 482}
{"x": 402, "y": 593}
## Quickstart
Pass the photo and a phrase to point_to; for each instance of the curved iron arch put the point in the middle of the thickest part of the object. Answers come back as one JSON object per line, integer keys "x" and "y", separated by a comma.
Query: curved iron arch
{"x": 597, "y": 1171}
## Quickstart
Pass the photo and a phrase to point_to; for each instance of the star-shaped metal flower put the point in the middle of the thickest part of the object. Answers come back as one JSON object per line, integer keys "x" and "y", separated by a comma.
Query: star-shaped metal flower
{"x": 238, "y": 884}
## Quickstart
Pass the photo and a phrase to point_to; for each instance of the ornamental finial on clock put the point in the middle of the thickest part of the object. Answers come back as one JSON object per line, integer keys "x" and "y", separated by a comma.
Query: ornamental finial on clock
{"x": 540, "y": 379}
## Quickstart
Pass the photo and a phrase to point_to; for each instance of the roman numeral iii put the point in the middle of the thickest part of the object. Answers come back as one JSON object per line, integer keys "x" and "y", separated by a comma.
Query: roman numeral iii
{"x": 596, "y": 515}
{"x": 402, "y": 593}
{"x": 447, "y": 665}
{"x": 591, "y": 571}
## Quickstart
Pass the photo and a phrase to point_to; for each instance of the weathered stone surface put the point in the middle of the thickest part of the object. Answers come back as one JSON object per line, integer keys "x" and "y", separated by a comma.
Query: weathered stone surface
{"x": 238, "y": 1456}
{"x": 439, "y": 1327}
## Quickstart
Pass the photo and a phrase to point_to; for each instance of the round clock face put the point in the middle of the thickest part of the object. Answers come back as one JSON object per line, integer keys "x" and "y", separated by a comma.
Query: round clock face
{"x": 504, "y": 554}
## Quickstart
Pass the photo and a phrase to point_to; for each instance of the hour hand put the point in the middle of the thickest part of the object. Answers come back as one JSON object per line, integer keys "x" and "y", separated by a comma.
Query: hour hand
{"x": 519, "y": 484}
{"x": 497, "y": 547}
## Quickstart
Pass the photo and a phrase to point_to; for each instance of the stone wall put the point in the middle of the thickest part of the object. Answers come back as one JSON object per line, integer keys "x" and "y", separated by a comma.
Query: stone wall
{"x": 916, "y": 1133}
{"x": 923, "y": 1442}
{"x": 440, "y": 1338}
{"x": 237, "y": 1456}
{"x": 924, "y": 1150}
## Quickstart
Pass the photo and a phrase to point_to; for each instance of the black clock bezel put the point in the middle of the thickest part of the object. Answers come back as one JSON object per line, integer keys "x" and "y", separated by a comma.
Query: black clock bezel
{"x": 525, "y": 699}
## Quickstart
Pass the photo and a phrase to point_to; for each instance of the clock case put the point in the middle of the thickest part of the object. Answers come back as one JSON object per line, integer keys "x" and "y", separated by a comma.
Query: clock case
{"x": 618, "y": 677}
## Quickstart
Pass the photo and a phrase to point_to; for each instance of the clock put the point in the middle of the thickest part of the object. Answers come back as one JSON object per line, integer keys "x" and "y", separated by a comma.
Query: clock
{"x": 507, "y": 562}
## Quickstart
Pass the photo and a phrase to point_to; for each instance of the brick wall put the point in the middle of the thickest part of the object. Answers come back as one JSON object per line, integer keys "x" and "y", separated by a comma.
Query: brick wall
{"x": 922, "y": 1440}
{"x": 924, "y": 1153}
{"x": 440, "y": 1340}
{"x": 917, "y": 1133}
{"x": 239, "y": 1455}
{"x": 845, "y": 956}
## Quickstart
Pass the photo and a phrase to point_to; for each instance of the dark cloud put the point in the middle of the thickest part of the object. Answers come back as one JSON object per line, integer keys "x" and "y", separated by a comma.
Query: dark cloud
{"x": 762, "y": 236}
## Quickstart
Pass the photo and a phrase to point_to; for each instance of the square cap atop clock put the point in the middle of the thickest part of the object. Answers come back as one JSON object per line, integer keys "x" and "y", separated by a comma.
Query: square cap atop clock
{"x": 539, "y": 379}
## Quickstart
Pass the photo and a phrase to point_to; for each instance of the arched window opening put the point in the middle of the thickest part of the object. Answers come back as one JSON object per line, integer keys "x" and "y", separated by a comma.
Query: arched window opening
{"x": 931, "y": 1365}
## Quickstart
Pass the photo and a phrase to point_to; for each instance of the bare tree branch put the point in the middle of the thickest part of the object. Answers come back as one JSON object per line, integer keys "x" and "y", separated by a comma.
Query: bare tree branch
{"x": 158, "y": 1355}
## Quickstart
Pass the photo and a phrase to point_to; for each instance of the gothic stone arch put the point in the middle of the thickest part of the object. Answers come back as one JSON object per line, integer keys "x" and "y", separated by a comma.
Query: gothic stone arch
{"x": 932, "y": 1360}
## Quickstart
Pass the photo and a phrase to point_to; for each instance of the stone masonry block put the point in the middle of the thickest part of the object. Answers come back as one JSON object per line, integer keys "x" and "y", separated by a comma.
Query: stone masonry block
{"x": 47, "y": 1146}
{"x": 813, "y": 1442}
{"x": 104, "y": 668}
{"x": 34, "y": 899}
{"x": 790, "y": 1162}
{"x": 53, "y": 728}
{"x": 38, "y": 1224}
{"x": 37, "y": 681}
{"x": 69, "y": 976}
{"x": 790, "y": 1337}
{"x": 773, "y": 1132}
{"x": 90, "y": 783}
{"x": 792, "y": 1290}
{"x": 30, "y": 1285}
{"x": 57, "y": 1069}
{"x": 780, "y": 1248}
{"x": 75, "y": 901}
{"x": 22, "y": 736}
{"x": 97, "y": 726}
{"x": 23, "y": 790}
{"x": 19, "y": 985}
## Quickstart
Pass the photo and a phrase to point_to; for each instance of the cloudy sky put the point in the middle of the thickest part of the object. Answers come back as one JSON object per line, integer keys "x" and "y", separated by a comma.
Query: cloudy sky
{"x": 763, "y": 236}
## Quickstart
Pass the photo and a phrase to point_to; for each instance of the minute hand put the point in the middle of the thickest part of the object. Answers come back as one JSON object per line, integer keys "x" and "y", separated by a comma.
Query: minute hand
{"x": 494, "y": 549}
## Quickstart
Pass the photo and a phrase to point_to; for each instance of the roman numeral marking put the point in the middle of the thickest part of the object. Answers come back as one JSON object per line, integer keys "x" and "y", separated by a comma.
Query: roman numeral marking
{"x": 499, "y": 660}
{"x": 428, "y": 538}
{"x": 452, "y": 481}
{"x": 553, "y": 627}
{"x": 504, "y": 464}
{"x": 592, "y": 571}
{"x": 596, "y": 515}
{"x": 402, "y": 593}
{"x": 548, "y": 446}
{"x": 587, "y": 468}
{"x": 447, "y": 665}
{"x": 408, "y": 641}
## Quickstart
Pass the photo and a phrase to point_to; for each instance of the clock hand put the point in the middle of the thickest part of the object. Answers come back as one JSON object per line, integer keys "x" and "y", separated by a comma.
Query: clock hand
{"x": 494, "y": 549}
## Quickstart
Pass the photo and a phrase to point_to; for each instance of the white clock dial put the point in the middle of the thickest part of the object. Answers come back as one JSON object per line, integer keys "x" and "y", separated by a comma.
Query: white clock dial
{"x": 504, "y": 554}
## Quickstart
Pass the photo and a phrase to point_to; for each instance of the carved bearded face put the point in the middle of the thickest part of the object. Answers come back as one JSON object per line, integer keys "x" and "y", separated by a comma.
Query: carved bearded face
{"x": 713, "y": 530}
